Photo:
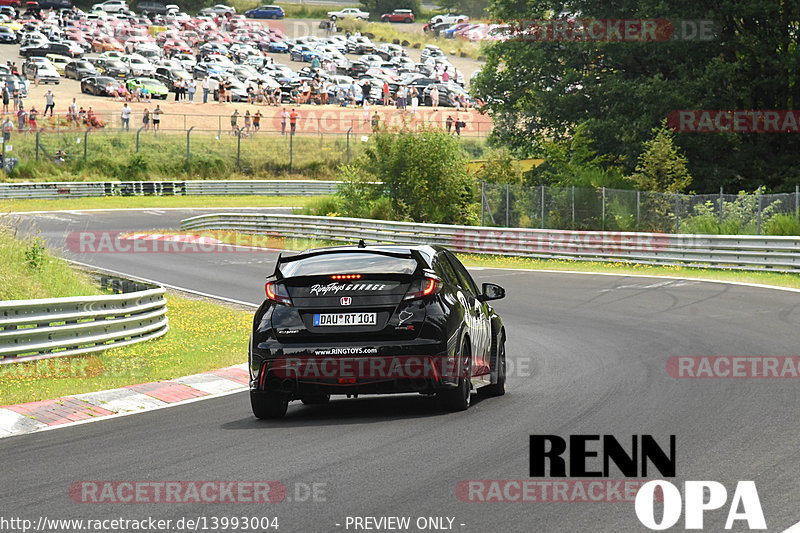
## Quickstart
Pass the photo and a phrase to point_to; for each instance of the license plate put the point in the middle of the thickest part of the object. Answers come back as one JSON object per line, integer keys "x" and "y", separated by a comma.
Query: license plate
{"x": 345, "y": 319}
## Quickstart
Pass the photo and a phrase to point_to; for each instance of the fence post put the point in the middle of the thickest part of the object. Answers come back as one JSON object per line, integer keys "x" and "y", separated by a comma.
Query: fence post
{"x": 638, "y": 208}
{"x": 291, "y": 150}
{"x": 188, "y": 152}
{"x": 348, "y": 144}
{"x": 137, "y": 138}
{"x": 37, "y": 144}
{"x": 508, "y": 204}
{"x": 677, "y": 213}
{"x": 239, "y": 149}
{"x": 85, "y": 142}
{"x": 758, "y": 222}
{"x": 5, "y": 168}
{"x": 573, "y": 207}
{"x": 603, "y": 211}
{"x": 483, "y": 184}
{"x": 542, "y": 206}
{"x": 219, "y": 126}
{"x": 796, "y": 199}
{"x": 721, "y": 206}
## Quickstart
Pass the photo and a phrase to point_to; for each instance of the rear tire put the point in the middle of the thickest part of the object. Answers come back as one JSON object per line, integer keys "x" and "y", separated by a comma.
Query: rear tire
{"x": 316, "y": 399}
{"x": 499, "y": 388}
{"x": 268, "y": 405}
{"x": 457, "y": 399}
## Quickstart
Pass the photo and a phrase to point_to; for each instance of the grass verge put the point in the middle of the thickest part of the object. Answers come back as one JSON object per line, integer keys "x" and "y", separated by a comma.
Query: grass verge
{"x": 131, "y": 202}
{"x": 27, "y": 271}
{"x": 203, "y": 336}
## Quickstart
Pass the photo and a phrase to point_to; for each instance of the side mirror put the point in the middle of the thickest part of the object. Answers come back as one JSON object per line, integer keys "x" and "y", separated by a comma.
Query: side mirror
{"x": 492, "y": 291}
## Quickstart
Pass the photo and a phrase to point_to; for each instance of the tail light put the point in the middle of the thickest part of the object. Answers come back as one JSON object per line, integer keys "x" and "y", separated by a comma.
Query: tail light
{"x": 423, "y": 287}
{"x": 276, "y": 292}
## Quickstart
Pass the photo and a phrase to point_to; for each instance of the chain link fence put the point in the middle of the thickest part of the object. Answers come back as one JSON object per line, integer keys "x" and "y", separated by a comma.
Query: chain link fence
{"x": 576, "y": 208}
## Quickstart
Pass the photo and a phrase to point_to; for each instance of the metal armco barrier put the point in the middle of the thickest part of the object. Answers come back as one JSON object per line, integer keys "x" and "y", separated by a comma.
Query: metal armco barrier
{"x": 55, "y": 327}
{"x": 744, "y": 252}
{"x": 72, "y": 189}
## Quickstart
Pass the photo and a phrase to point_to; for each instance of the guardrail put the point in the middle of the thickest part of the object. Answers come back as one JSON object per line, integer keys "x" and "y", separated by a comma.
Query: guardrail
{"x": 746, "y": 252}
{"x": 72, "y": 189}
{"x": 55, "y": 327}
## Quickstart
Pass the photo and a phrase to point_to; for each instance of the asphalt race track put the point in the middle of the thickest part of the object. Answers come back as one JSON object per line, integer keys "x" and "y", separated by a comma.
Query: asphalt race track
{"x": 587, "y": 355}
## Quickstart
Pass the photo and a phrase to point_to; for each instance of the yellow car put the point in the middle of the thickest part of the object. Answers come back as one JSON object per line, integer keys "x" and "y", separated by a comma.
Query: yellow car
{"x": 59, "y": 61}
{"x": 13, "y": 24}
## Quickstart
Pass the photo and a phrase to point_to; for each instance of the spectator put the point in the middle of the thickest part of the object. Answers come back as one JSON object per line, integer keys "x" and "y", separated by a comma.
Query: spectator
{"x": 284, "y": 116}
{"x": 146, "y": 96}
{"x": 72, "y": 112}
{"x": 251, "y": 93}
{"x": 21, "y": 117}
{"x": 32, "y": 116}
{"x": 228, "y": 90}
{"x": 435, "y": 97}
{"x": 157, "y": 112}
{"x": 177, "y": 88}
{"x": 256, "y": 121}
{"x": 49, "y": 101}
{"x": 206, "y": 87}
{"x": 8, "y": 127}
{"x": 386, "y": 96}
{"x": 92, "y": 120}
{"x": 292, "y": 121}
{"x": 414, "y": 100}
{"x": 247, "y": 121}
{"x": 463, "y": 102}
{"x": 221, "y": 92}
{"x": 234, "y": 122}
{"x": 17, "y": 97}
{"x": 446, "y": 75}
{"x": 6, "y": 97}
{"x": 191, "y": 88}
{"x": 458, "y": 125}
{"x": 36, "y": 74}
{"x": 449, "y": 123}
{"x": 146, "y": 119}
{"x": 82, "y": 115}
{"x": 126, "y": 117}
{"x": 376, "y": 120}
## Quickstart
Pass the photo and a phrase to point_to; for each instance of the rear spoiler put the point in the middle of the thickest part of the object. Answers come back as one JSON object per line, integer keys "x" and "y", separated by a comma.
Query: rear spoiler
{"x": 411, "y": 254}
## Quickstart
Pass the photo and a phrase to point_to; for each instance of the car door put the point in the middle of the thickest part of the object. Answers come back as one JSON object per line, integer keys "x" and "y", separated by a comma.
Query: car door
{"x": 477, "y": 319}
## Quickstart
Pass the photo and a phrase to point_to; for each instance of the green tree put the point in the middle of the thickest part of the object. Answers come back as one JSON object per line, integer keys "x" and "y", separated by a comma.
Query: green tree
{"x": 377, "y": 8}
{"x": 541, "y": 90}
{"x": 423, "y": 174}
{"x": 661, "y": 167}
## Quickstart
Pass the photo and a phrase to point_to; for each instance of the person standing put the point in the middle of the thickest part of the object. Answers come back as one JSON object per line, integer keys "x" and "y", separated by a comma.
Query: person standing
{"x": 257, "y": 121}
{"x": 414, "y": 100}
{"x": 146, "y": 119}
{"x": 8, "y": 127}
{"x": 72, "y": 112}
{"x": 292, "y": 121}
{"x": 6, "y": 97}
{"x": 284, "y": 116}
{"x": 191, "y": 88}
{"x": 386, "y": 93}
{"x": 126, "y": 117}
{"x": 206, "y": 87}
{"x": 247, "y": 121}
{"x": 376, "y": 120}
{"x": 21, "y": 117}
{"x": 177, "y": 88}
{"x": 449, "y": 123}
{"x": 435, "y": 97}
{"x": 157, "y": 117}
{"x": 234, "y": 122}
{"x": 228, "y": 90}
{"x": 49, "y": 103}
{"x": 36, "y": 74}
{"x": 221, "y": 92}
{"x": 32, "y": 116}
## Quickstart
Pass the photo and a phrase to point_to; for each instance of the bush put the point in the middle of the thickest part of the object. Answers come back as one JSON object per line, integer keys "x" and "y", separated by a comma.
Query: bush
{"x": 424, "y": 176}
{"x": 782, "y": 224}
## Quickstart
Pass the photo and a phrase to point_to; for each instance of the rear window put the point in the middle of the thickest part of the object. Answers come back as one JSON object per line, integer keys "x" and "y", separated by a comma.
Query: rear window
{"x": 345, "y": 263}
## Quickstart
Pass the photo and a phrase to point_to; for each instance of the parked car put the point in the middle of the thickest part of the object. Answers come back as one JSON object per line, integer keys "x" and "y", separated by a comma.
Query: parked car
{"x": 449, "y": 18}
{"x": 110, "y": 67}
{"x": 96, "y": 85}
{"x": 7, "y": 35}
{"x": 59, "y": 62}
{"x": 155, "y": 87}
{"x": 388, "y": 50}
{"x": 349, "y": 13}
{"x": 79, "y": 69}
{"x": 219, "y": 9}
{"x": 399, "y": 15}
{"x": 46, "y": 71}
{"x": 138, "y": 65}
{"x": 111, "y": 6}
{"x": 265, "y": 12}
{"x": 169, "y": 75}
{"x": 13, "y": 3}
{"x": 42, "y": 50}
{"x": 446, "y": 90}
{"x": 148, "y": 8}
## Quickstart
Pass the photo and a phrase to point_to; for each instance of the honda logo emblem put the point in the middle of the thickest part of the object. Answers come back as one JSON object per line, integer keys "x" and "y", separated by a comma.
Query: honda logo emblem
{"x": 346, "y": 300}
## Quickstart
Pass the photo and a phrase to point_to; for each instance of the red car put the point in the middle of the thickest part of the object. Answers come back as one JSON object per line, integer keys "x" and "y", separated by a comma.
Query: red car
{"x": 399, "y": 15}
{"x": 14, "y": 3}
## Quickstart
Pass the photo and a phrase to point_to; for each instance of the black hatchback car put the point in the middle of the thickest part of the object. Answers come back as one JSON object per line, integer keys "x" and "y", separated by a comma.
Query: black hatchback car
{"x": 374, "y": 320}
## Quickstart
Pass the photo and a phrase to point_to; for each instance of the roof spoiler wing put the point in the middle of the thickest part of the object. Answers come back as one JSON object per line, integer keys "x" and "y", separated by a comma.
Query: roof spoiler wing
{"x": 411, "y": 254}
